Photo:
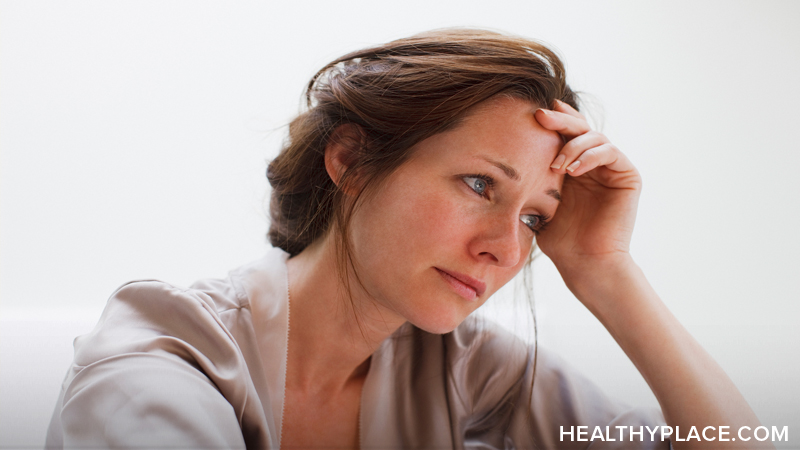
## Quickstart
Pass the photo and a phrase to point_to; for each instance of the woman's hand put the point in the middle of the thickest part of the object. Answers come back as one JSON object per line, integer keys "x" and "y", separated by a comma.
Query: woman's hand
{"x": 588, "y": 240}
{"x": 594, "y": 223}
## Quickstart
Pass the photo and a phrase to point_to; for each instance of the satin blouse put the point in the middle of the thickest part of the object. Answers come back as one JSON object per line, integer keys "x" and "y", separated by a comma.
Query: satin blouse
{"x": 205, "y": 367}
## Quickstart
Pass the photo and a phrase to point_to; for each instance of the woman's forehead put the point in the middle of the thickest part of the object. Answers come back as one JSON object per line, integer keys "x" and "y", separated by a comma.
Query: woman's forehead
{"x": 504, "y": 129}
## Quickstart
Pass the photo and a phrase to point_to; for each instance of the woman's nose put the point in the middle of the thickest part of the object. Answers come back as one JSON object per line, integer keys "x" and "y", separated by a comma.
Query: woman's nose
{"x": 498, "y": 243}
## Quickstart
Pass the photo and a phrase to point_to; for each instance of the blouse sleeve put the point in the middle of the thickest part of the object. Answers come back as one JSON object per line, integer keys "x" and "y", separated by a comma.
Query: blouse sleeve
{"x": 504, "y": 407}
{"x": 569, "y": 411}
{"x": 142, "y": 378}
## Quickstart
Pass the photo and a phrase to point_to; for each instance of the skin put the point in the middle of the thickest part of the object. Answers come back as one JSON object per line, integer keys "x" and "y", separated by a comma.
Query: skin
{"x": 428, "y": 217}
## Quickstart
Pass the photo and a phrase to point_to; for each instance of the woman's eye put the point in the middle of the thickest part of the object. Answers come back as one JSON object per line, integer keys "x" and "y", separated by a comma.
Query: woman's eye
{"x": 536, "y": 222}
{"x": 532, "y": 222}
{"x": 478, "y": 185}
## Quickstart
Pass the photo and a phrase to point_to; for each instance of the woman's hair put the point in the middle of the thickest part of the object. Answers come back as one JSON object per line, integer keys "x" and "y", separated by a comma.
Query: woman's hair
{"x": 391, "y": 97}
{"x": 394, "y": 96}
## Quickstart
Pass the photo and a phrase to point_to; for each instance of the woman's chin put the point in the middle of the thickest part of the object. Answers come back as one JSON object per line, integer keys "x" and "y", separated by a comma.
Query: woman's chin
{"x": 435, "y": 312}
{"x": 439, "y": 324}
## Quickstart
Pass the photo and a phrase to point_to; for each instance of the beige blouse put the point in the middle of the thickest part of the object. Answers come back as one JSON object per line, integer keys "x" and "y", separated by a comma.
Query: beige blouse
{"x": 205, "y": 367}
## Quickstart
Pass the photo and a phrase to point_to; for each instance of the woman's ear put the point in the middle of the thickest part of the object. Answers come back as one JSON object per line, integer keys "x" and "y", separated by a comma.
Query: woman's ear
{"x": 342, "y": 150}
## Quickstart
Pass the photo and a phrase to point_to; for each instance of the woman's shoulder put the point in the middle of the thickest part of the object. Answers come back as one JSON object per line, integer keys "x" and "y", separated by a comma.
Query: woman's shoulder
{"x": 143, "y": 314}
{"x": 157, "y": 351}
{"x": 500, "y": 379}
{"x": 202, "y": 316}
{"x": 188, "y": 356}
{"x": 485, "y": 353}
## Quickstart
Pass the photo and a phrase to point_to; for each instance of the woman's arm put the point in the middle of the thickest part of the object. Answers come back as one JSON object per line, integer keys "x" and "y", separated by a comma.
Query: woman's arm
{"x": 588, "y": 241}
{"x": 690, "y": 386}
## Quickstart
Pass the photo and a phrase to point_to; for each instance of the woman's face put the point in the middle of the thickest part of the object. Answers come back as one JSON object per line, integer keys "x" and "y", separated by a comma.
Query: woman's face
{"x": 456, "y": 221}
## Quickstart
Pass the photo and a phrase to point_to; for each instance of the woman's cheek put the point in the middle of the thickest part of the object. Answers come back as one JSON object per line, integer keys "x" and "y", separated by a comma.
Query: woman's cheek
{"x": 449, "y": 222}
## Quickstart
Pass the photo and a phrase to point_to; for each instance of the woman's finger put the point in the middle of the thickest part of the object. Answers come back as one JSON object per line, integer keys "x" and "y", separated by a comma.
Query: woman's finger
{"x": 567, "y": 109}
{"x": 605, "y": 155}
{"x": 573, "y": 149}
{"x": 565, "y": 124}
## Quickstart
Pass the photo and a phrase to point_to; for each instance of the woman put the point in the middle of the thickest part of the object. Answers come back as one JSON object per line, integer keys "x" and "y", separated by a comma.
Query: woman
{"x": 410, "y": 190}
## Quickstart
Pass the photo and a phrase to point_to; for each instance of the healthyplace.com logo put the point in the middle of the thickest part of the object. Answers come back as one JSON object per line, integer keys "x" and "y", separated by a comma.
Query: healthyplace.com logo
{"x": 722, "y": 433}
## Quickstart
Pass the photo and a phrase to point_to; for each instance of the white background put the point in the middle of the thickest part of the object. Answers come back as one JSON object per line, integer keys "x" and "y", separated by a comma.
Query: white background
{"x": 134, "y": 138}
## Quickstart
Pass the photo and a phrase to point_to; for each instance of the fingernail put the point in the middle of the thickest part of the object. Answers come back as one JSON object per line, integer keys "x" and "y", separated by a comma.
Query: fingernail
{"x": 559, "y": 161}
{"x": 573, "y": 166}
{"x": 546, "y": 112}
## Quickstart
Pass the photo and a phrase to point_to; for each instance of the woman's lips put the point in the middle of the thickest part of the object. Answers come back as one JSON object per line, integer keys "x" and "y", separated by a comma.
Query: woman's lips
{"x": 466, "y": 286}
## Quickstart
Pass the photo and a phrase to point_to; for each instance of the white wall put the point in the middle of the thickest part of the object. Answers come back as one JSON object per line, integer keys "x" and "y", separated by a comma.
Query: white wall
{"x": 134, "y": 135}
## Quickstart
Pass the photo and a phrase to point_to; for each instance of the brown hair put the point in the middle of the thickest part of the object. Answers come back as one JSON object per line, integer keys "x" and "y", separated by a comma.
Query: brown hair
{"x": 397, "y": 95}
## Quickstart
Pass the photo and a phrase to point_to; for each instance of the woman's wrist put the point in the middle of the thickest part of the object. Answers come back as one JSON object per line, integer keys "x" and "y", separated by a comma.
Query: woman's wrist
{"x": 591, "y": 277}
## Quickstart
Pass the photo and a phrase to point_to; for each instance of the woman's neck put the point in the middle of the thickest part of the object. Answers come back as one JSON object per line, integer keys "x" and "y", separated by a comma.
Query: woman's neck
{"x": 331, "y": 336}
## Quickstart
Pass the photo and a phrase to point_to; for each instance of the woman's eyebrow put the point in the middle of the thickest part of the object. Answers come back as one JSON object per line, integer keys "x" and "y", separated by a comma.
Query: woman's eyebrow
{"x": 514, "y": 175}
{"x": 508, "y": 170}
{"x": 554, "y": 193}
